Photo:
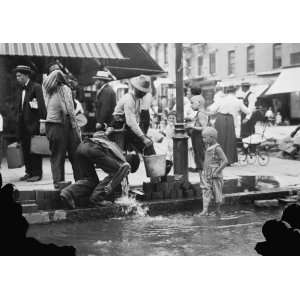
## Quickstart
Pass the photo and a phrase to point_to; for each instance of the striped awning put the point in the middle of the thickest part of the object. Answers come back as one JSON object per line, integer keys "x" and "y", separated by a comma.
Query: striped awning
{"x": 75, "y": 50}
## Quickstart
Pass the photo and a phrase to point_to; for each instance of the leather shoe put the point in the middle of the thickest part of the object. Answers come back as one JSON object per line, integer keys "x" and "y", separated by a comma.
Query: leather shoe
{"x": 34, "y": 179}
{"x": 25, "y": 177}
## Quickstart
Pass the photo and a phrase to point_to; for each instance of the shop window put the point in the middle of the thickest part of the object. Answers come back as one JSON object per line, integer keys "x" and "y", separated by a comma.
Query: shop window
{"x": 212, "y": 63}
{"x": 295, "y": 58}
{"x": 250, "y": 59}
{"x": 277, "y": 56}
{"x": 231, "y": 62}
{"x": 200, "y": 65}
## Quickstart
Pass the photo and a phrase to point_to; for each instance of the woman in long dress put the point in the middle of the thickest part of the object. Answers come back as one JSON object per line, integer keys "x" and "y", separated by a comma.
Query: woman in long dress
{"x": 228, "y": 122}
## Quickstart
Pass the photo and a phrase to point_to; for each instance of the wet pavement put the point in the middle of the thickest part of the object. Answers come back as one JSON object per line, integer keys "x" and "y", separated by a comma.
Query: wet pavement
{"x": 235, "y": 233}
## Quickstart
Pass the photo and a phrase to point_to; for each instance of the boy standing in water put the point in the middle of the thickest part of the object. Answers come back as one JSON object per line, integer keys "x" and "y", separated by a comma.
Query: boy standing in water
{"x": 214, "y": 163}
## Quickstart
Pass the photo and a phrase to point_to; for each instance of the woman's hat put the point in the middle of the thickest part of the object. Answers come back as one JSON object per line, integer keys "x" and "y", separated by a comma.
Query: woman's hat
{"x": 23, "y": 69}
{"x": 103, "y": 75}
{"x": 142, "y": 83}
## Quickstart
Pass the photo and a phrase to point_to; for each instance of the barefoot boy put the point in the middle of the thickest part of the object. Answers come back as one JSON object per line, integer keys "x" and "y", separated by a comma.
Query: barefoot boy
{"x": 215, "y": 161}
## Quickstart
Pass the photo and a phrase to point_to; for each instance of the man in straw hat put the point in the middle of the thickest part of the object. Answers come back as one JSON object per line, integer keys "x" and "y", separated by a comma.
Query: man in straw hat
{"x": 31, "y": 109}
{"x": 130, "y": 108}
{"x": 105, "y": 99}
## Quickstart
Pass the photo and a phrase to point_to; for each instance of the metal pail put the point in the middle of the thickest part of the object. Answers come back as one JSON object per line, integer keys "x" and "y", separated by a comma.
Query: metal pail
{"x": 155, "y": 165}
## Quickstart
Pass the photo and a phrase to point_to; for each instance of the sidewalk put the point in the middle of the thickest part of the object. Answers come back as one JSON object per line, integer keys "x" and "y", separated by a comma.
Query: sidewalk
{"x": 286, "y": 172}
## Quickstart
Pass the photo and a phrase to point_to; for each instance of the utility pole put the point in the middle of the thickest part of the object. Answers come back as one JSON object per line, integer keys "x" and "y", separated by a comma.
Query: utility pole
{"x": 180, "y": 145}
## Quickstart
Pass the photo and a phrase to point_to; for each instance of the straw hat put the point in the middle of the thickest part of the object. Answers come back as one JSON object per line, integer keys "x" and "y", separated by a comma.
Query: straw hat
{"x": 142, "y": 83}
{"x": 103, "y": 75}
{"x": 23, "y": 69}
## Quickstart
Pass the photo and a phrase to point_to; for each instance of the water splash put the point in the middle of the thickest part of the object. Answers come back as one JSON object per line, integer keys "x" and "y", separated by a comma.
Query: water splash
{"x": 102, "y": 243}
{"x": 125, "y": 187}
{"x": 129, "y": 203}
{"x": 131, "y": 206}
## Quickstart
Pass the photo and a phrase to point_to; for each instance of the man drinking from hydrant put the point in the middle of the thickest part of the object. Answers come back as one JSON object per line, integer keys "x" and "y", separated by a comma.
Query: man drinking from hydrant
{"x": 102, "y": 153}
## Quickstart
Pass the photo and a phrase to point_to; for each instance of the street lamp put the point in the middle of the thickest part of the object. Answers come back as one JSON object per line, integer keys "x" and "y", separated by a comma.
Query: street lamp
{"x": 180, "y": 145}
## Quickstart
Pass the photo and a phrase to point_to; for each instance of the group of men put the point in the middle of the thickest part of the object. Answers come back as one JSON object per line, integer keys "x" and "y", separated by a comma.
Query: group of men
{"x": 97, "y": 151}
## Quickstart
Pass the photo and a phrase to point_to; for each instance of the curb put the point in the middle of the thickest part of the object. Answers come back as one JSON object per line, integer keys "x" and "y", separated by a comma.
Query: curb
{"x": 154, "y": 207}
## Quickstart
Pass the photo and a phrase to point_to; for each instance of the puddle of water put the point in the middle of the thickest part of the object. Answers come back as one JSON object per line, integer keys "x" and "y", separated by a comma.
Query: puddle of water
{"x": 235, "y": 233}
{"x": 250, "y": 184}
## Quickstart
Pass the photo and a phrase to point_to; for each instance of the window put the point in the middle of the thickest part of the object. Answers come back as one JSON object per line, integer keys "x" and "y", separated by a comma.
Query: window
{"x": 156, "y": 52}
{"x": 250, "y": 59}
{"x": 231, "y": 62}
{"x": 200, "y": 65}
{"x": 276, "y": 56}
{"x": 295, "y": 58}
{"x": 212, "y": 63}
{"x": 188, "y": 67}
{"x": 166, "y": 54}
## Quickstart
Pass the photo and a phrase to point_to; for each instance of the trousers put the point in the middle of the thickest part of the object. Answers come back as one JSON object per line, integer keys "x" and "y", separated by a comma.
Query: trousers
{"x": 62, "y": 139}
{"x": 33, "y": 162}
{"x": 88, "y": 189}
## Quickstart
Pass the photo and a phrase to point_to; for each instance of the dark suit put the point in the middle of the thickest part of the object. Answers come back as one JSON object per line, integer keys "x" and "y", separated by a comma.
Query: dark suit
{"x": 105, "y": 105}
{"x": 29, "y": 124}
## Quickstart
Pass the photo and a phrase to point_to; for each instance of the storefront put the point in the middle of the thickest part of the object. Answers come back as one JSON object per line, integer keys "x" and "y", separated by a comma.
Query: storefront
{"x": 82, "y": 60}
{"x": 284, "y": 94}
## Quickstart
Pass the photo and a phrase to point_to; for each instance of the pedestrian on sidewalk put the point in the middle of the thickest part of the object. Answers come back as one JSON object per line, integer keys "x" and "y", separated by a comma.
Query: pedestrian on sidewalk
{"x": 215, "y": 162}
{"x": 106, "y": 155}
{"x": 269, "y": 116}
{"x": 228, "y": 122}
{"x": 105, "y": 100}
{"x": 248, "y": 120}
{"x": 31, "y": 109}
{"x": 61, "y": 127}
{"x": 200, "y": 122}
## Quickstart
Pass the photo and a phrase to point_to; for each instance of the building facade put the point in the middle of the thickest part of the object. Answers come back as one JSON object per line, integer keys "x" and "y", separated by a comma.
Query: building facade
{"x": 232, "y": 63}
{"x": 216, "y": 61}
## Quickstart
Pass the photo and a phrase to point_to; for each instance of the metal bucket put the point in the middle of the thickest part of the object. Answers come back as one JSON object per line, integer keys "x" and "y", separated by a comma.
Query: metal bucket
{"x": 155, "y": 165}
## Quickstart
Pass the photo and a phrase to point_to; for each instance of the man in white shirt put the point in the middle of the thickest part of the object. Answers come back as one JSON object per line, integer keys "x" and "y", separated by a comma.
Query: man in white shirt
{"x": 248, "y": 123}
{"x": 129, "y": 107}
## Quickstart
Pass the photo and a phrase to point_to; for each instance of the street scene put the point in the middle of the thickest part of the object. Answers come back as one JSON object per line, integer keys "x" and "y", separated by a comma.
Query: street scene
{"x": 121, "y": 149}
